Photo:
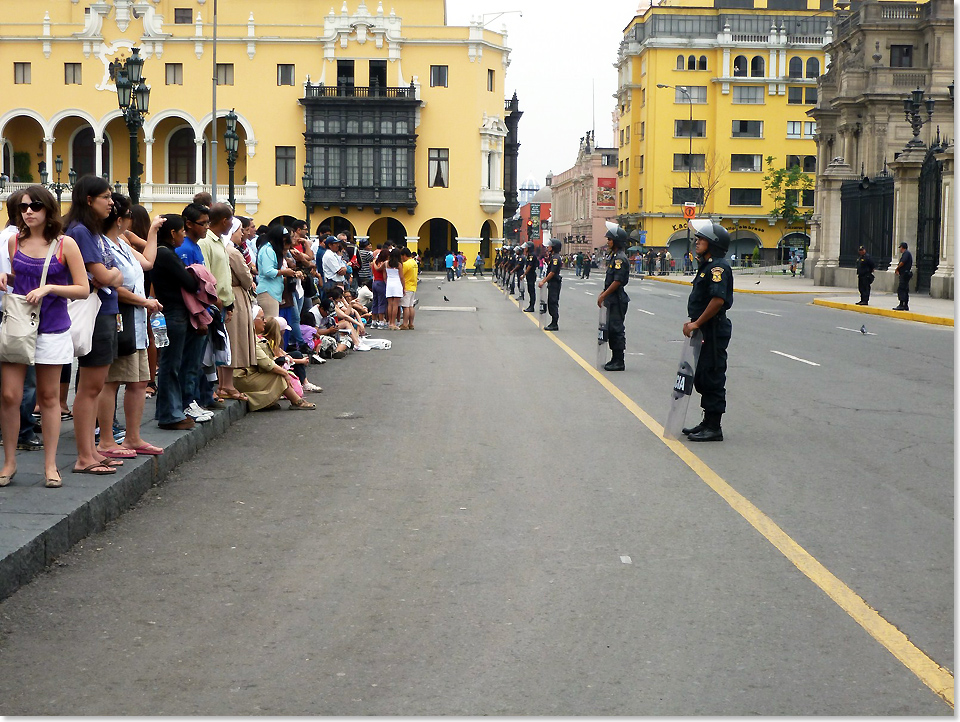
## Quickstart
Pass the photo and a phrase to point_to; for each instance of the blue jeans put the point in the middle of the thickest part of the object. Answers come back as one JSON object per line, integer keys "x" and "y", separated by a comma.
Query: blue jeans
{"x": 28, "y": 430}
{"x": 184, "y": 344}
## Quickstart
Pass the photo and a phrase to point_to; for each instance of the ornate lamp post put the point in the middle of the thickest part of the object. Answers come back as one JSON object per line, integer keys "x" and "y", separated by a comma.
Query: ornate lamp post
{"x": 911, "y": 113}
{"x": 133, "y": 96}
{"x": 307, "y": 185}
{"x": 231, "y": 142}
{"x": 42, "y": 169}
{"x": 59, "y": 187}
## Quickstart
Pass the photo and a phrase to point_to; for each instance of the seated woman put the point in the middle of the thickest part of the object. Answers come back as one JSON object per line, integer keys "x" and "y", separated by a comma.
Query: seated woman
{"x": 293, "y": 361}
{"x": 347, "y": 319}
{"x": 362, "y": 311}
{"x": 266, "y": 382}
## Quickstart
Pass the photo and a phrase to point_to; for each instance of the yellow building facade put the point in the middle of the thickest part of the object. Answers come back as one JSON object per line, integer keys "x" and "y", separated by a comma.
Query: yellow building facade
{"x": 706, "y": 93}
{"x": 401, "y": 117}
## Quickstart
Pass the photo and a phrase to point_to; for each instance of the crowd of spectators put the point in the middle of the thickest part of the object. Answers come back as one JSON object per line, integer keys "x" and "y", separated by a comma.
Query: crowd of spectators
{"x": 192, "y": 308}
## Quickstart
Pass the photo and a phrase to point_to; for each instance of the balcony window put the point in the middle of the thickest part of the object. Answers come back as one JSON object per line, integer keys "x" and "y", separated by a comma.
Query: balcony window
{"x": 746, "y": 163}
{"x": 438, "y": 168}
{"x": 745, "y": 196}
{"x": 682, "y": 128}
{"x": 748, "y": 129}
{"x": 740, "y": 66}
{"x": 813, "y": 68}
{"x": 795, "y": 68}
{"x": 681, "y": 161}
{"x": 286, "y": 165}
{"x": 901, "y": 56}
{"x": 756, "y": 67}
{"x": 748, "y": 95}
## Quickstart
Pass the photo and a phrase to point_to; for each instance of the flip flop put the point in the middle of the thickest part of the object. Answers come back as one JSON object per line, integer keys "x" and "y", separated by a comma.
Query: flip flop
{"x": 236, "y": 396}
{"x": 118, "y": 453}
{"x": 66, "y": 415}
{"x": 112, "y": 463}
{"x": 90, "y": 469}
{"x": 146, "y": 449}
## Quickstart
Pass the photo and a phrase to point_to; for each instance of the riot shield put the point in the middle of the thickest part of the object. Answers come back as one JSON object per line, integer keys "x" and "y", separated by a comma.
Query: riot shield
{"x": 542, "y": 307}
{"x": 603, "y": 338}
{"x": 521, "y": 288}
{"x": 683, "y": 385}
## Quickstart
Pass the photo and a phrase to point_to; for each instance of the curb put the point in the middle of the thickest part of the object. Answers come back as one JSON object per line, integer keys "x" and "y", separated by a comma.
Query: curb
{"x": 903, "y": 315}
{"x": 32, "y": 540}
{"x": 665, "y": 279}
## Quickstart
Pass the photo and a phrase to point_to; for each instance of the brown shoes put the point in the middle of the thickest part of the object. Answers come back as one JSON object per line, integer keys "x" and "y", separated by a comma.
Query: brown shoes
{"x": 183, "y": 425}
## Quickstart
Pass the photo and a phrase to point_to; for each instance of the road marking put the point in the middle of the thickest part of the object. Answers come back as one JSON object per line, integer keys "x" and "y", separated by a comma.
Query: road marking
{"x": 675, "y": 295}
{"x": 588, "y": 293}
{"x": 447, "y": 308}
{"x": 649, "y": 313}
{"x": 937, "y": 678}
{"x": 795, "y": 358}
{"x": 767, "y": 313}
{"x": 856, "y": 330}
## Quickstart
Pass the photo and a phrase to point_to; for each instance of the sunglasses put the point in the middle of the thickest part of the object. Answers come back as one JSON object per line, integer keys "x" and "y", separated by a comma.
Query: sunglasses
{"x": 35, "y": 206}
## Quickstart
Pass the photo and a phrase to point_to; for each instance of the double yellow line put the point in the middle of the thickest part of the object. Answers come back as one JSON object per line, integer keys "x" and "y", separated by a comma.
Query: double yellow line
{"x": 937, "y": 678}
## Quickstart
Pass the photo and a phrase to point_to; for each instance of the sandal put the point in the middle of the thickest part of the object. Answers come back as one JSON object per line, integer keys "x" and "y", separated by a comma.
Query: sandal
{"x": 151, "y": 389}
{"x": 118, "y": 452}
{"x": 111, "y": 462}
{"x": 53, "y": 482}
{"x": 303, "y": 406}
{"x": 146, "y": 449}
{"x": 237, "y": 395}
{"x": 104, "y": 469}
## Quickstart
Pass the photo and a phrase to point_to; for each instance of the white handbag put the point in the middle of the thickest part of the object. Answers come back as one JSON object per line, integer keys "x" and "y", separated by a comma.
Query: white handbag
{"x": 21, "y": 322}
{"x": 83, "y": 317}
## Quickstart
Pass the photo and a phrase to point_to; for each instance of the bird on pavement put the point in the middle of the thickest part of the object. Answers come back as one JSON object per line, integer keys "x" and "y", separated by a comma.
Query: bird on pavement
{"x": 863, "y": 329}
{"x": 446, "y": 299}
{"x": 758, "y": 283}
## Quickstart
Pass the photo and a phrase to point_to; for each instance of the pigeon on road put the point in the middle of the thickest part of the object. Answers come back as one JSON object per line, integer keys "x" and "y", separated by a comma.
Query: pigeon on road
{"x": 863, "y": 329}
{"x": 446, "y": 299}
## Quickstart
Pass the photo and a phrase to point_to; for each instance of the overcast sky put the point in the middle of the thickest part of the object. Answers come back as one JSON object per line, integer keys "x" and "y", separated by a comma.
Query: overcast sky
{"x": 562, "y": 57}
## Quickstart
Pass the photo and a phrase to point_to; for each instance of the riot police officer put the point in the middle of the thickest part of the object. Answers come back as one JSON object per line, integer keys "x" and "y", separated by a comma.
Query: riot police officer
{"x": 711, "y": 296}
{"x": 553, "y": 280}
{"x": 530, "y": 266}
{"x": 613, "y": 295}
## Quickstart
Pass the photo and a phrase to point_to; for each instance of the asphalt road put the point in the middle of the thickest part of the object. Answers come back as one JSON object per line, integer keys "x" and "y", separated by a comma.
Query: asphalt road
{"x": 472, "y": 524}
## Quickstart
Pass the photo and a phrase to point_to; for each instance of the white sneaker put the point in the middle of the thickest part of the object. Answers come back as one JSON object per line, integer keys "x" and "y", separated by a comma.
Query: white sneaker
{"x": 308, "y": 386}
{"x": 197, "y": 414}
{"x": 318, "y": 358}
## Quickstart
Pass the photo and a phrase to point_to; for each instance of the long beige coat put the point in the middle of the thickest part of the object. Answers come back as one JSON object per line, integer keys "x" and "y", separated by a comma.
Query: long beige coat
{"x": 243, "y": 352}
{"x": 261, "y": 386}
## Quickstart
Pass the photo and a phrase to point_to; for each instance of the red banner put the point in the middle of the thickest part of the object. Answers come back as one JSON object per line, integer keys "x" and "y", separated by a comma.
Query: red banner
{"x": 606, "y": 192}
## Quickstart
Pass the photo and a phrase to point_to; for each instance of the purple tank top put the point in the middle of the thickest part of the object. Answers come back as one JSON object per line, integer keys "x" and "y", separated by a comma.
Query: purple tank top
{"x": 53, "y": 309}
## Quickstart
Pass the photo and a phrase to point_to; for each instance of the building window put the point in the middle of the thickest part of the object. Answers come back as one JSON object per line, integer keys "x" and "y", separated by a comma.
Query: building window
{"x": 224, "y": 73}
{"x": 71, "y": 73}
{"x": 626, "y": 199}
{"x": 491, "y": 80}
{"x": 809, "y": 164}
{"x": 640, "y": 192}
{"x": 756, "y": 67}
{"x": 641, "y": 164}
{"x": 813, "y": 68}
{"x": 740, "y": 66}
{"x": 643, "y": 97}
{"x": 643, "y": 129}
{"x": 746, "y": 163}
{"x": 748, "y": 95}
{"x": 682, "y": 128}
{"x": 793, "y": 128}
{"x": 698, "y": 94}
{"x": 692, "y": 62}
{"x": 748, "y": 129}
{"x": 285, "y": 73}
{"x": 627, "y": 129}
{"x": 793, "y": 161}
{"x": 626, "y": 167}
{"x": 681, "y": 161}
{"x": 286, "y": 165}
{"x": 744, "y": 196}
{"x": 621, "y": 137}
{"x": 795, "y": 68}
{"x": 182, "y": 16}
{"x": 174, "y": 73}
{"x": 687, "y": 195}
{"x": 901, "y": 56}
{"x": 810, "y": 96}
{"x": 795, "y": 96}
{"x": 438, "y": 76}
{"x": 182, "y": 157}
{"x": 702, "y": 63}
{"x": 681, "y": 63}
{"x": 809, "y": 128}
{"x": 801, "y": 198}
{"x": 21, "y": 73}
{"x": 438, "y": 168}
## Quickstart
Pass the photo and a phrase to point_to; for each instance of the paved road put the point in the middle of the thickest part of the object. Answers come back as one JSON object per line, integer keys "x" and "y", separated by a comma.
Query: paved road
{"x": 473, "y": 524}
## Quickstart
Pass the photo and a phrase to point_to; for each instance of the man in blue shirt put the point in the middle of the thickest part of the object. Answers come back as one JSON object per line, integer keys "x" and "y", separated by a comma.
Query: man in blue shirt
{"x": 450, "y": 262}
{"x": 197, "y": 392}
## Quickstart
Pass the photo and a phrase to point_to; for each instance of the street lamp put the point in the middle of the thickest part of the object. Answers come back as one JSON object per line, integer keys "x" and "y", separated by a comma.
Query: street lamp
{"x": 133, "y": 96}
{"x": 690, "y": 197}
{"x": 911, "y": 113}
{"x": 307, "y": 185}
{"x": 231, "y": 142}
{"x": 59, "y": 187}
{"x": 42, "y": 169}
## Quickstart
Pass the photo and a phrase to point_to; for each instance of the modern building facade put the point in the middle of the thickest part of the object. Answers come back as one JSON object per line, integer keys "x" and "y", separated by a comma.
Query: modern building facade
{"x": 585, "y": 197}
{"x": 884, "y": 179}
{"x": 365, "y": 94}
{"x": 707, "y": 91}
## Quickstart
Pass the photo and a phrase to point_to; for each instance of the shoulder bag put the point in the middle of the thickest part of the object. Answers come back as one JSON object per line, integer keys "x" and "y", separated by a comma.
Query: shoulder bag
{"x": 21, "y": 321}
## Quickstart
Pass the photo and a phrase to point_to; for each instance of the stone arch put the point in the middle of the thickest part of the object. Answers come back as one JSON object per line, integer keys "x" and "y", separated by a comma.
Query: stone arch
{"x": 24, "y": 112}
{"x": 384, "y": 229}
{"x": 742, "y": 242}
{"x": 487, "y": 231}
{"x": 337, "y": 224}
{"x": 757, "y": 67}
{"x": 82, "y": 149}
{"x": 740, "y": 66}
{"x": 437, "y": 237}
{"x": 795, "y": 68}
{"x": 23, "y": 133}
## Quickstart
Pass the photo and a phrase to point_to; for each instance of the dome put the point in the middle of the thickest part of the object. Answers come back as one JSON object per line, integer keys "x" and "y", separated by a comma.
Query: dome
{"x": 544, "y": 195}
{"x": 530, "y": 184}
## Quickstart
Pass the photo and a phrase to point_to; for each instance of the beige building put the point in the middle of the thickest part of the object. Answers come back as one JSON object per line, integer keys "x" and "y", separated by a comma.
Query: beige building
{"x": 585, "y": 197}
{"x": 881, "y": 182}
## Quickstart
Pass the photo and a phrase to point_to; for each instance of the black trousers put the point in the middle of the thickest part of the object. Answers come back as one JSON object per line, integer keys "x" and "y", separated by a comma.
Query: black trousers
{"x": 616, "y": 332}
{"x": 553, "y": 301}
{"x": 710, "y": 379}
{"x": 532, "y": 288}
{"x": 903, "y": 290}
{"x": 863, "y": 284}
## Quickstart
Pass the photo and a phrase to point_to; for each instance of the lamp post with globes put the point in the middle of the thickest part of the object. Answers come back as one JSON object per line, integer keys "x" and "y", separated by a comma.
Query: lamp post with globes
{"x": 59, "y": 187}
{"x": 133, "y": 97}
{"x": 231, "y": 142}
{"x": 307, "y": 185}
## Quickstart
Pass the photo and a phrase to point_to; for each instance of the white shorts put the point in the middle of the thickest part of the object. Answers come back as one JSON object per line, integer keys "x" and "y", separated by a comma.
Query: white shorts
{"x": 54, "y": 348}
{"x": 408, "y": 299}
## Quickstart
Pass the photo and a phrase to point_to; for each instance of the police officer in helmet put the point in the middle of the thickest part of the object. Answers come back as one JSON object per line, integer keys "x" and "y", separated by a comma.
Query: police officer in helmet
{"x": 530, "y": 266}
{"x": 614, "y": 297}
{"x": 711, "y": 296}
{"x": 552, "y": 279}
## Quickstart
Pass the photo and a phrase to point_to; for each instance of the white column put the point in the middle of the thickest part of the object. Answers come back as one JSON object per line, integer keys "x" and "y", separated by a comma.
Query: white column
{"x": 98, "y": 156}
{"x": 148, "y": 166}
{"x": 49, "y": 156}
{"x": 199, "y": 143}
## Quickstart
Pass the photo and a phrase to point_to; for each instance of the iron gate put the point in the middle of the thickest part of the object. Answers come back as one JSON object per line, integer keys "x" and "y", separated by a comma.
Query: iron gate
{"x": 928, "y": 224}
{"x": 866, "y": 219}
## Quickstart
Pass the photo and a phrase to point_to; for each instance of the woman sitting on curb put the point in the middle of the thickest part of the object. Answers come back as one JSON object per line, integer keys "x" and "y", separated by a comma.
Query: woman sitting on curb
{"x": 266, "y": 382}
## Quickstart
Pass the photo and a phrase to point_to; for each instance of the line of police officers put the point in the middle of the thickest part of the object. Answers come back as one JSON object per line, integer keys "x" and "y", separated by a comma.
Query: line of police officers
{"x": 709, "y": 300}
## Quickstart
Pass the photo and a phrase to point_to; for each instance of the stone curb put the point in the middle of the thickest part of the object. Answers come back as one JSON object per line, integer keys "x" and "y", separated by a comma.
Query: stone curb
{"x": 904, "y": 315}
{"x": 32, "y": 540}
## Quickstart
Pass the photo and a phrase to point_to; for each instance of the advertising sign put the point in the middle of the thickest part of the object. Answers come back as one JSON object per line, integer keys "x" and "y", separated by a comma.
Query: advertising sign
{"x": 606, "y": 192}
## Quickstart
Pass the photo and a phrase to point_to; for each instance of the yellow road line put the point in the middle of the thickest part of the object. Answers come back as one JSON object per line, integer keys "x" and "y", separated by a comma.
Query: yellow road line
{"x": 937, "y": 678}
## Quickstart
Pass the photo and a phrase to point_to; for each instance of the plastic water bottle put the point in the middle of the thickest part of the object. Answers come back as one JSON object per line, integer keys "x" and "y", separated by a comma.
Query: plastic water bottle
{"x": 158, "y": 325}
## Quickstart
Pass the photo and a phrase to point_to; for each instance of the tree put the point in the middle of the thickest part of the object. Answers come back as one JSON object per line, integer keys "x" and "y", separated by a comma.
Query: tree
{"x": 786, "y": 185}
{"x": 704, "y": 182}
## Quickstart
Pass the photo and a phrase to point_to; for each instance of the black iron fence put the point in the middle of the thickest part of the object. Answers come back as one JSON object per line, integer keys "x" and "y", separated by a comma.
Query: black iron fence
{"x": 866, "y": 219}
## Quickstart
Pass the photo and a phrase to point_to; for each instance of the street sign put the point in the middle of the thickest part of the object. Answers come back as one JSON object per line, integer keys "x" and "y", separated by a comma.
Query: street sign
{"x": 689, "y": 210}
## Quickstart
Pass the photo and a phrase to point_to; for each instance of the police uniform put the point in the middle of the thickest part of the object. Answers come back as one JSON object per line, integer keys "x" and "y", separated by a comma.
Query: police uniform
{"x": 554, "y": 266}
{"x": 530, "y": 271}
{"x": 618, "y": 269}
{"x": 904, "y": 272}
{"x": 713, "y": 279}
{"x": 865, "y": 269}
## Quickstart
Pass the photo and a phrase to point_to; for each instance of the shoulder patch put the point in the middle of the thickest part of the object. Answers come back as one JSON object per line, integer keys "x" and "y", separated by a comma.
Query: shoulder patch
{"x": 717, "y": 272}
{"x": 617, "y": 265}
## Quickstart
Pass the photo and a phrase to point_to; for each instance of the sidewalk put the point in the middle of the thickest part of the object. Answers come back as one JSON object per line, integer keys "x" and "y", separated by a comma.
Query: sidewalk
{"x": 38, "y": 524}
{"x": 923, "y": 309}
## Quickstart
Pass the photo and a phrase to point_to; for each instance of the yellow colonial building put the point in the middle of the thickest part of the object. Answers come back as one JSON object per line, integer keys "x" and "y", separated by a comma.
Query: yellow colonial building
{"x": 707, "y": 91}
{"x": 397, "y": 120}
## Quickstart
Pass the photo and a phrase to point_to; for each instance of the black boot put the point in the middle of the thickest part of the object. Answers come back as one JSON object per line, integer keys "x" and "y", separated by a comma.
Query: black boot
{"x": 552, "y": 327}
{"x": 616, "y": 363}
{"x": 711, "y": 430}
{"x": 529, "y": 309}
{"x": 694, "y": 429}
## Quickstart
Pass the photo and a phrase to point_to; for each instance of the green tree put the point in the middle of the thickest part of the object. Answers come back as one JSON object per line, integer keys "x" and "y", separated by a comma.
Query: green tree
{"x": 785, "y": 186}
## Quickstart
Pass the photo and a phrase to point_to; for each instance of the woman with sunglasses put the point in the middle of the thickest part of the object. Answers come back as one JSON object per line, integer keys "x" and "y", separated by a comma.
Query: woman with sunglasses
{"x": 92, "y": 203}
{"x": 40, "y": 225}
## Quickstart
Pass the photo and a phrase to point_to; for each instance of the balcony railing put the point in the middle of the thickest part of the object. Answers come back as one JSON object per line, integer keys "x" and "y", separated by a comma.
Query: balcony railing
{"x": 166, "y": 192}
{"x": 364, "y": 91}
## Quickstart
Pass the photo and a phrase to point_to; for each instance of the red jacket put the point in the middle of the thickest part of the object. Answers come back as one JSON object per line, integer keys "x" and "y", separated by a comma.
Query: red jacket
{"x": 206, "y": 295}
